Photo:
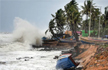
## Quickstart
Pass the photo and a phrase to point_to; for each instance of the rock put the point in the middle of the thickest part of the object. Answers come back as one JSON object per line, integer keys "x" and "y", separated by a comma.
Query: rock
{"x": 2, "y": 62}
{"x": 56, "y": 57}
{"x": 26, "y": 59}
{"x": 43, "y": 56}
{"x": 19, "y": 58}
{"x": 31, "y": 57}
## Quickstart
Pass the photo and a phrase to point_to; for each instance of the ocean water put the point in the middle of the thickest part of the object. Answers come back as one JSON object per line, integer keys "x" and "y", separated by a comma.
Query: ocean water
{"x": 16, "y": 55}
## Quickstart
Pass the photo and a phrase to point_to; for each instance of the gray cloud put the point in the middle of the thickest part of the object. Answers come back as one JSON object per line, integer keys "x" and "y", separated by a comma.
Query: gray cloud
{"x": 36, "y": 11}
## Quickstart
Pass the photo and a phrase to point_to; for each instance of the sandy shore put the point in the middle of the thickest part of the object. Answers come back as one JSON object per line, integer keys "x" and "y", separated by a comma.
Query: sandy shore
{"x": 93, "y": 57}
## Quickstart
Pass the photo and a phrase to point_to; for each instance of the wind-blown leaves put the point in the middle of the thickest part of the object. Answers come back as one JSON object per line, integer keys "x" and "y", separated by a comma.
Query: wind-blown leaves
{"x": 73, "y": 16}
{"x": 56, "y": 25}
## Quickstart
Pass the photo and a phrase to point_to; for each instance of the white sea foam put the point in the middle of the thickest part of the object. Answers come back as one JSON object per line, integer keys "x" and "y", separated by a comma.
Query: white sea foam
{"x": 11, "y": 51}
{"x": 21, "y": 38}
{"x": 41, "y": 60}
{"x": 27, "y": 33}
{"x": 16, "y": 45}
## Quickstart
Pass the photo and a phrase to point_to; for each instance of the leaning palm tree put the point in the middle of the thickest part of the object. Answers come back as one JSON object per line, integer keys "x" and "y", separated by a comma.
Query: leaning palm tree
{"x": 60, "y": 20}
{"x": 51, "y": 27}
{"x": 73, "y": 16}
{"x": 56, "y": 25}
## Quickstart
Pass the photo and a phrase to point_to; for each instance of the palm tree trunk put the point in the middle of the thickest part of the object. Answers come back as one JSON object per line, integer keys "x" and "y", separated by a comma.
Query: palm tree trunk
{"x": 73, "y": 28}
{"x": 103, "y": 31}
{"x": 86, "y": 28}
{"x": 76, "y": 35}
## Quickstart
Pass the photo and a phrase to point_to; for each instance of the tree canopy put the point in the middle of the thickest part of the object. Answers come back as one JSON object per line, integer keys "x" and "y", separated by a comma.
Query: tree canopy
{"x": 72, "y": 17}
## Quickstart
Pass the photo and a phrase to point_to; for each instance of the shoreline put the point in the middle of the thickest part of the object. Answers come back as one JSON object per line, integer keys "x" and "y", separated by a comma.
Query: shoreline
{"x": 86, "y": 55}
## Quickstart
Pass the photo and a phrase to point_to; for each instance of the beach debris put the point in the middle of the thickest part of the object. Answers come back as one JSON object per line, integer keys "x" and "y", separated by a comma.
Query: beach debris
{"x": 56, "y": 57}
{"x": 24, "y": 58}
{"x": 43, "y": 56}
{"x": 69, "y": 51}
{"x": 2, "y": 62}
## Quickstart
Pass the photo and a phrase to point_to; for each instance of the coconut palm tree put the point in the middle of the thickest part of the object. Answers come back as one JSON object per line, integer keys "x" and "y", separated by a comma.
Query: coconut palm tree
{"x": 88, "y": 8}
{"x": 56, "y": 25}
{"x": 105, "y": 20}
{"x": 73, "y": 16}
{"x": 60, "y": 20}
{"x": 84, "y": 24}
{"x": 95, "y": 16}
{"x": 51, "y": 27}
{"x": 106, "y": 15}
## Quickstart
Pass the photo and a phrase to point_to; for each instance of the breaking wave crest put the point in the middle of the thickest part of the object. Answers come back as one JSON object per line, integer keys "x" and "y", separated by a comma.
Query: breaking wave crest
{"x": 26, "y": 33}
{"x": 23, "y": 36}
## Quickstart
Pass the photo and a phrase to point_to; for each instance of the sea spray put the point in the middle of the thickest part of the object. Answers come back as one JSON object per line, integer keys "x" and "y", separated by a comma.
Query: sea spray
{"x": 23, "y": 37}
{"x": 26, "y": 33}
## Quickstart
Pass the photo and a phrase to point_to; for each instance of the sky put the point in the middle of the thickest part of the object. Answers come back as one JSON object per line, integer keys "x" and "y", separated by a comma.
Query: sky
{"x": 37, "y": 12}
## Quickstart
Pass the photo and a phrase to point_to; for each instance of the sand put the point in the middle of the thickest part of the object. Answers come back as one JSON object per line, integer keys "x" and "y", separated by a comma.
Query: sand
{"x": 94, "y": 57}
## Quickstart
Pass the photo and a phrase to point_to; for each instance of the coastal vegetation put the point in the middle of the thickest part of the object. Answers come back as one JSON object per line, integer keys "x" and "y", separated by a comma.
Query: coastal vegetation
{"x": 72, "y": 18}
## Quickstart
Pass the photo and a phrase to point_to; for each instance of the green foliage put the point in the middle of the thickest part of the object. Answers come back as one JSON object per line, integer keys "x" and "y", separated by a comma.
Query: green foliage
{"x": 51, "y": 26}
{"x": 60, "y": 20}
{"x": 89, "y": 8}
{"x": 106, "y": 16}
{"x": 73, "y": 18}
{"x": 94, "y": 33}
{"x": 56, "y": 25}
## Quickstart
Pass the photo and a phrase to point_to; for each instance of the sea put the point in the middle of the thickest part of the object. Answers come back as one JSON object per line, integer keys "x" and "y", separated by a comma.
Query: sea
{"x": 16, "y": 52}
{"x": 16, "y": 55}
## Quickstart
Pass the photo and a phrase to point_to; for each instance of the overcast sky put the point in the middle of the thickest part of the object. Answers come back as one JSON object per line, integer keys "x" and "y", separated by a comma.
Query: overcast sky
{"x": 37, "y": 12}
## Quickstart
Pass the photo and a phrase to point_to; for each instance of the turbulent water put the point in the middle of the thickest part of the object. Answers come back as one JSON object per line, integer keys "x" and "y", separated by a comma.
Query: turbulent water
{"x": 16, "y": 52}
{"x": 20, "y": 56}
